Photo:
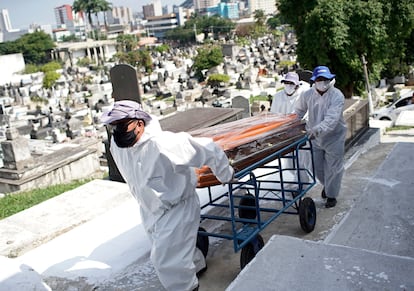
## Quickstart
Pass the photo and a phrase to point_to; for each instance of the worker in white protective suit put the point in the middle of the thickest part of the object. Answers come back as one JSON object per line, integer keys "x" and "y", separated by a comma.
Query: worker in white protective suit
{"x": 327, "y": 129}
{"x": 283, "y": 102}
{"x": 159, "y": 167}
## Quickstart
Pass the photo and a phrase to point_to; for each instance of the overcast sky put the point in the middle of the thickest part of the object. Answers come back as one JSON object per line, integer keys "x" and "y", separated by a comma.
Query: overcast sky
{"x": 22, "y": 13}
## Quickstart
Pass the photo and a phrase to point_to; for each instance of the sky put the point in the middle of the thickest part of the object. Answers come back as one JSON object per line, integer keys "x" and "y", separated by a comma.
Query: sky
{"x": 22, "y": 13}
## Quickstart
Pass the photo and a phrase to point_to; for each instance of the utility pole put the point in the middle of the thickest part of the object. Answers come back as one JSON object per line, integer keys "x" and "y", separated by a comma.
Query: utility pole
{"x": 195, "y": 32}
{"x": 371, "y": 106}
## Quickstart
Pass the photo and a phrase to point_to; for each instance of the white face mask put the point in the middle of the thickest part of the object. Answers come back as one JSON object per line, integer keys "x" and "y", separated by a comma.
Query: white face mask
{"x": 290, "y": 89}
{"x": 323, "y": 86}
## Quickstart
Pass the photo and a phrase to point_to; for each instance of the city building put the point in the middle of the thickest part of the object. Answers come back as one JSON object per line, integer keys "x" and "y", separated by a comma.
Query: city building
{"x": 268, "y": 6}
{"x": 97, "y": 51}
{"x": 148, "y": 11}
{"x": 157, "y": 7}
{"x": 119, "y": 15}
{"x": 68, "y": 23}
{"x": 225, "y": 10}
{"x": 167, "y": 9}
{"x": 5, "y": 23}
{"x": 156, "y": 26}
{"x": 202, "y": 5}
{"x": 7, "y": 33}
{"x": 153, "y": 9}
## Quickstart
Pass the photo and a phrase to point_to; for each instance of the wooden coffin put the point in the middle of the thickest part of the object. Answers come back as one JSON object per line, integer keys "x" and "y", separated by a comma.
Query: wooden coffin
{"x": 250, "y": 140}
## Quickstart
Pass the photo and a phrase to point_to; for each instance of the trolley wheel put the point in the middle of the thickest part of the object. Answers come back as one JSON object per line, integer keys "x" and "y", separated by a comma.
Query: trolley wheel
{"x": 307, "y": 214}
{"x": 247, "y": 200}
{"x": 249, "y": 251}
{"x": 202, "y": 242}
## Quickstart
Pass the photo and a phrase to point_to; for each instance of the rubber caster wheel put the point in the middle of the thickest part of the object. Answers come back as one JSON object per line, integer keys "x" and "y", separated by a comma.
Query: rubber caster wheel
{"x": 248, "y": 213}
{"x": 249, "y": 251}
{"x": 307, "y": 214}
{"x": 202, "y": 242}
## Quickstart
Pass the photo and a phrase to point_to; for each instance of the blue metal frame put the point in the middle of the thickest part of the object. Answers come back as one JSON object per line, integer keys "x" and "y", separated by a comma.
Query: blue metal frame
{"x": 244, "y": 230}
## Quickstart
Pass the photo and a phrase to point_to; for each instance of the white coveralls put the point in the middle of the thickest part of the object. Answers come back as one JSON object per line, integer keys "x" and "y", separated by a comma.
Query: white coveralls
{"x": 282, "y": 103}
{"x": 159, "y": 170}
{"x": 285, "y": 104}
{"x": 326, "y": 123}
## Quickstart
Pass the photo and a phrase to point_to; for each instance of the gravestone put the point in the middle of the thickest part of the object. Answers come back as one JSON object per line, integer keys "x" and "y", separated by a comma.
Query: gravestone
{"x": 16, "y": 151}
{"x": 243, "y": 103}
{"x": 125, "y": 83}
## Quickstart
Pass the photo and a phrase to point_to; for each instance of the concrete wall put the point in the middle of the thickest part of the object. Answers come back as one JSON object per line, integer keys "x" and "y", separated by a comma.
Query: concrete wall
{"x": 14, "y": 63}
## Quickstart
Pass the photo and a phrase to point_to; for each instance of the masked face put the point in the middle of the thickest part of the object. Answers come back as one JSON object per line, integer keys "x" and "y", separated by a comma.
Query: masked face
{"x": 290, "y": 89}
{"x": 123, "y": 137}
{"x": 324, "y": 85}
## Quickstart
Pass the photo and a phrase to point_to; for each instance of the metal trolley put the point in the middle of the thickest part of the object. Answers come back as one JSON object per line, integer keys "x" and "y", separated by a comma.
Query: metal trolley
{"x": 258, "y": 197}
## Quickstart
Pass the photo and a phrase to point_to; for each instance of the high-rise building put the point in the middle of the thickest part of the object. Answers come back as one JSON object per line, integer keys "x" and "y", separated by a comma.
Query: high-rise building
{"x": 153, "y": 9}
{"x": 268, "y": 6}
{"x": 202, "y": 5}
{"x": 66, "y": 17}
{"x": 157, "y": 7}
{"x": 5, "y": 23}
{"x": 148, "y": 11}
{"x": 121, "y": 15}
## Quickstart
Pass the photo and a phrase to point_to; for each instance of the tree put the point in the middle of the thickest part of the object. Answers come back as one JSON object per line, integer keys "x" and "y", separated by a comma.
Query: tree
{"x": 102, "y": 6}
{"x": 91, "y": 7}
{"x": 214, "y": 80}
{"x": 141, "y": 59}
{"x": 400, "y": 31}
{"x": 259, "y": 17}
{"x": 35, "y": 47}
{"x": 126, "y": 42}
{"x": 207, "y": 58}
{"x": 338, "y": 33}
{"x": 50, "y": 78}
{"x": 51, "y": 66}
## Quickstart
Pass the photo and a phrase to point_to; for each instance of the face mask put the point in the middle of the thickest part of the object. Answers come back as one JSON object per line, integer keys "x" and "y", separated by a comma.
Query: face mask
{"x": 323, "y": 86}
{"x": 290, "y": 89}
{"x": 124, "y": 139}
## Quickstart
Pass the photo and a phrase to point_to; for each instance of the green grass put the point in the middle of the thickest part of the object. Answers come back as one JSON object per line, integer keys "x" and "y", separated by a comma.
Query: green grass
{"x": 16, "y": 202}
{"x": 401, "y": 127}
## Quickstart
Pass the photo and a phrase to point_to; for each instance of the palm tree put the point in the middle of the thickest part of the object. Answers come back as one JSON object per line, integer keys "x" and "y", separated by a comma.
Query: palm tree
{"x": 91, "y": 7}
{"x": 103, "y": 6}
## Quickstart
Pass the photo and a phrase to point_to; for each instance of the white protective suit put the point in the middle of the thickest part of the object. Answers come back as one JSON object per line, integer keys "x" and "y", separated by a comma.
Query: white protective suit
{"x": 285, "y": 104}
{"x": 159, "y": 170}
{"x": 326, "y": 124}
